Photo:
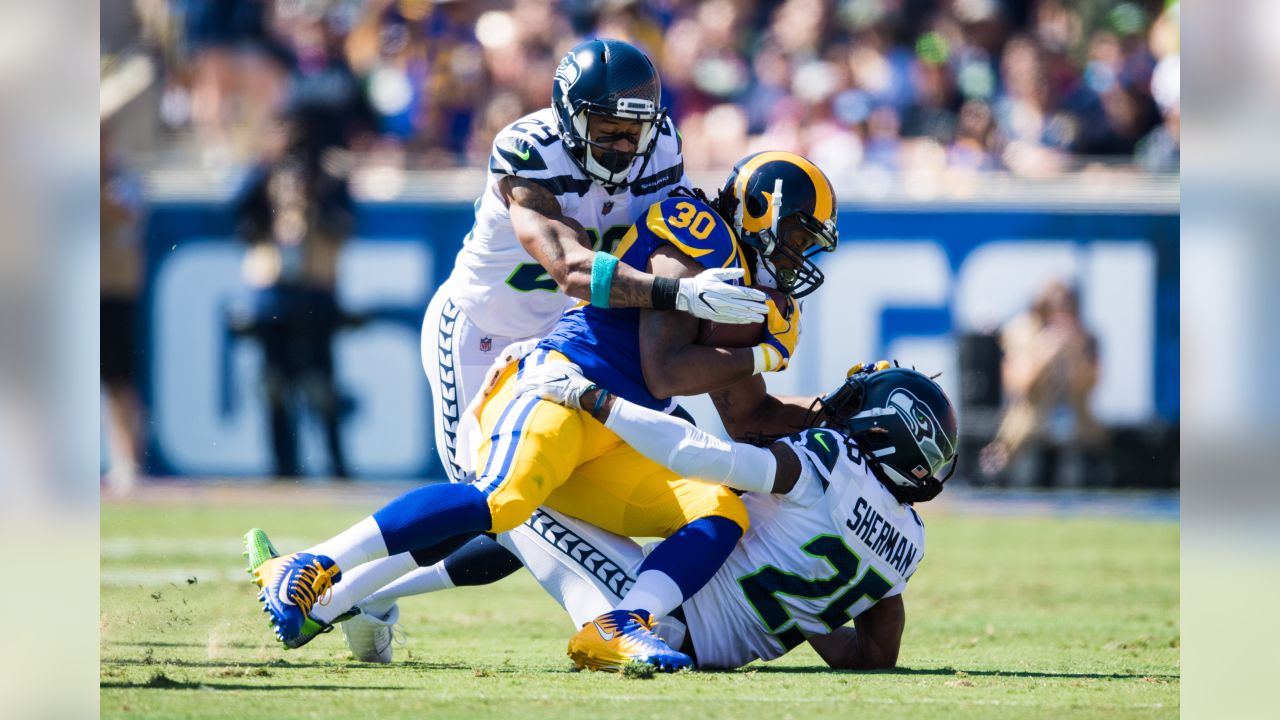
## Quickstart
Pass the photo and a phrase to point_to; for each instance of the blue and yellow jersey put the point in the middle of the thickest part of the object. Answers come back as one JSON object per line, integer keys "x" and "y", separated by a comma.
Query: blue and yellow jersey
{"x": 606, "y": 343}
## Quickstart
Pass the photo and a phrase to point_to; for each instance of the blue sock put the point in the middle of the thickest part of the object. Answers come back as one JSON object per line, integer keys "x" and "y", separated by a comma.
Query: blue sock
{"x": 694, "y": 553}
{"x": 426, "y": 516}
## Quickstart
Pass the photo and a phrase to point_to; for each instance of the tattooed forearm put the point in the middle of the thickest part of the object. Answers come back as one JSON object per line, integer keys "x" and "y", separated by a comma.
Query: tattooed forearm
{"x": 530, "y": 196}
{"x": 563, "y": 247}
{"x": 747, "y": 409}
{"x": 723, "y": 401}
{"x": 551, "y": 253}
{"x": 558, "y": 243}
{"x": 631, "y": 290}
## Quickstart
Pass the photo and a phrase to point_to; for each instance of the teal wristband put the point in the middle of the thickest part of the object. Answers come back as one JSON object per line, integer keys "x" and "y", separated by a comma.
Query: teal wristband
{"x": 595, "y": 411}
{"x": 602, "y": 269}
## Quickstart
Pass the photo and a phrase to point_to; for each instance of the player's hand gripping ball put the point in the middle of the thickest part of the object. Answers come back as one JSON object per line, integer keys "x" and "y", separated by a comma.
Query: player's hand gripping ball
{"x": 742, "y": 336}
{"x": 781, "y": 334}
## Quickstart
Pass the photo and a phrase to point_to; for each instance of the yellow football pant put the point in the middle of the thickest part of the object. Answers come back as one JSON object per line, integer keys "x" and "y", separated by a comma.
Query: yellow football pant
{"x": 536, "y": 453}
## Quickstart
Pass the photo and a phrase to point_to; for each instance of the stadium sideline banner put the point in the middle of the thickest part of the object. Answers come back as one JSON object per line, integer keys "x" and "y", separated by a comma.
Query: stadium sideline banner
{"x": 902, "y": 284}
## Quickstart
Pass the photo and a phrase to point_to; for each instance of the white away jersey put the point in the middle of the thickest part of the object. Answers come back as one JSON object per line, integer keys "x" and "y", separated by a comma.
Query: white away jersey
{"x": 812, "y": 560}
{"x": 499, "y": 285}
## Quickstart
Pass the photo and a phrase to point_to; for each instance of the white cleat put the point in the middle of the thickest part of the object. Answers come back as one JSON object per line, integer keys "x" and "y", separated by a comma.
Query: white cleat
{"x": 370, "y": 637}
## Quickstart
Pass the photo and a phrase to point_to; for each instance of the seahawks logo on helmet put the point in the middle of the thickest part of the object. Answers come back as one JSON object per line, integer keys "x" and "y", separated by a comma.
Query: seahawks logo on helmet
{"x": 567, "y": 73}
{"x": 902, "y": 421}
{"x": 919, "y": 418}
{"x": 607, "y": 78}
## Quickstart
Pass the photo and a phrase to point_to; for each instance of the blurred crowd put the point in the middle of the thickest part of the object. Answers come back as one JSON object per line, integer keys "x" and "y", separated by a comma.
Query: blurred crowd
{"x": 1031, "y": 86}
{"x": 301, "y": 96}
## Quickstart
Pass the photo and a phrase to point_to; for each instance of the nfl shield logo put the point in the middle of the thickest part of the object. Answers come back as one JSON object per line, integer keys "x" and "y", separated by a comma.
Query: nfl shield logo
{"x": 606, "y": 208}
{"x": 486, "y": 344}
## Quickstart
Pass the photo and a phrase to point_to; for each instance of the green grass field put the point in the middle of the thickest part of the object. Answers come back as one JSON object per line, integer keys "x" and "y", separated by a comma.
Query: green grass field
{"x": 1008, "y": 617}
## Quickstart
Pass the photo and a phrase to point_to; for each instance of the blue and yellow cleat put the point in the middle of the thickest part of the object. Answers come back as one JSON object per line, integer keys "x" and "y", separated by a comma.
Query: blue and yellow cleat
{"x": 291, "y": 586}
{"x": 622, "y": 636}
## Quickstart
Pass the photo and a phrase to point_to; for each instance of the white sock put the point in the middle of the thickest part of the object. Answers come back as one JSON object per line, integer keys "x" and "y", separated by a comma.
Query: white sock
{"x": 357, "y": 584}
{"x": 420, "y": 581}
{"x": 654, "y": 591}
{"x": 354, "y": 546}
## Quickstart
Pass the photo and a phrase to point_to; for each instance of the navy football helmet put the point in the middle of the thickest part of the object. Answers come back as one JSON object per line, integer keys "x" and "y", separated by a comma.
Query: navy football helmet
{"x": 902, "y": 421}
{"x": 781, "y": 206}
{"x": 607, "y": 78}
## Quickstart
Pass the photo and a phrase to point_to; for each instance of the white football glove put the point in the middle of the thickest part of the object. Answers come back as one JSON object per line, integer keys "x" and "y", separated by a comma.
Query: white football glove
{"x": 561, "y": 383}
{"x": 510, "y": 354}
{"x": 709, "y": 296}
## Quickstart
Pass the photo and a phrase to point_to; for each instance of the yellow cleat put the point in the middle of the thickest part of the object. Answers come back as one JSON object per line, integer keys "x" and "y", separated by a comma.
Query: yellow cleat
{"x": 619, "y": 637}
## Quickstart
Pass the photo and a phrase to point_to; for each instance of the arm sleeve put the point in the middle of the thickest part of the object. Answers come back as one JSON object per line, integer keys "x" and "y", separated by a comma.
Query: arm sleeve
{"x": 691, "y": 452}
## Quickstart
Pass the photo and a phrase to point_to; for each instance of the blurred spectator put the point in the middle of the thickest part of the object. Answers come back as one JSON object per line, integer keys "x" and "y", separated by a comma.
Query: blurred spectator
{"x": 1160, "y": 151}
{"x": 325, "y": 104}
{"x": 1033, "y": 136}
{"x": 121, "y": 268}
{"x": 236, "y": 73}
{"x": 1048, "y": 435}
{"x": 295, "y": 212}
{"x": 971, "y": 147}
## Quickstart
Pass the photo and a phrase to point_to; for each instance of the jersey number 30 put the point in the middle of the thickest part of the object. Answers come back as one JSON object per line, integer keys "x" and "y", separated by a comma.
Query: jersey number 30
{"x": 700, "y": 224}
{"x": 763, "y": 587}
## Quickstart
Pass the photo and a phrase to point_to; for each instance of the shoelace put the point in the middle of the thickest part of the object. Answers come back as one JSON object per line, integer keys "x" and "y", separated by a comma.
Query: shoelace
{"x": 399, "y": 635}
{"x": 311, "y": 586}
{"x": 395, "y": 635}
{"x": 647, "y": 624}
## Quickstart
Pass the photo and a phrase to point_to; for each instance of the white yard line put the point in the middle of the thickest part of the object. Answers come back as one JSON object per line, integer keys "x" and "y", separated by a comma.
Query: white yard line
{"x": 219, "y": 560}
{"x": 129, "y": 547}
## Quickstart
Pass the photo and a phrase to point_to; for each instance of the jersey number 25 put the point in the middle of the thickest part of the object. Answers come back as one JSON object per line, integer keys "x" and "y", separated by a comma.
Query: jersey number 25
{"x": 763, "y": 587}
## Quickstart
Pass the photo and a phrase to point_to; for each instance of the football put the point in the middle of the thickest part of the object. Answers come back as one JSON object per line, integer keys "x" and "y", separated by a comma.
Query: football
{"x": 737, "y": 336}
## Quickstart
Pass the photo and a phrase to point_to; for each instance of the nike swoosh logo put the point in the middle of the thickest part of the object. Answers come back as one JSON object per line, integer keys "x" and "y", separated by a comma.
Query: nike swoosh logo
{"x": 516, "y": 151}
{"x": 702, "y": 299}
{"x": 607, "y": 636}
{"x": 283, "y": 592}
{"x": 822, "y": 441}
{"x": 548, "y": 381}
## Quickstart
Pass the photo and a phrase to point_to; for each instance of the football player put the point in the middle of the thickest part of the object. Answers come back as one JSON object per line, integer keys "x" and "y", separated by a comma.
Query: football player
{"x": 564, "y": 183}
{"x": 833, "y": 537}
{"x": 536, "y": 453}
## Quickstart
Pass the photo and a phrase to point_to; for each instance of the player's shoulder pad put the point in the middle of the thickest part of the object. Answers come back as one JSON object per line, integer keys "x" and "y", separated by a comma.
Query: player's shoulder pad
{"x": 516, "y": 153}
{"x": 693, "y": 228}
{"x": 823, "y": 448}
{"x": 669, "y": 138}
